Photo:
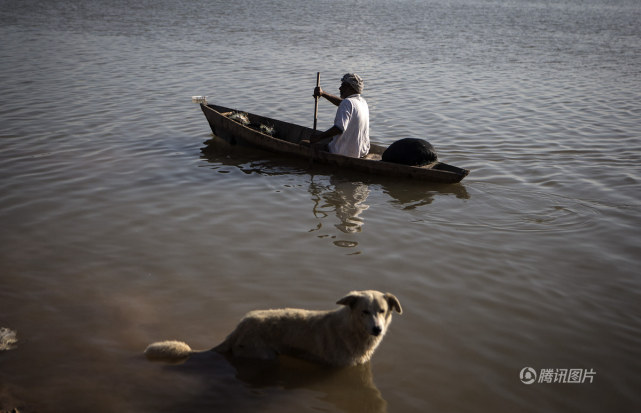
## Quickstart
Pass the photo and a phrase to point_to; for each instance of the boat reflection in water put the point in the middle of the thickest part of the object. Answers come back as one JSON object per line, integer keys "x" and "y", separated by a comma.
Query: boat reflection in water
{"x": 342, "y": 194}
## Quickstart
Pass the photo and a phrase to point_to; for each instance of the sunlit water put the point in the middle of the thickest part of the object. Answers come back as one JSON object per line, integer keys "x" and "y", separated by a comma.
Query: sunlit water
{"x": 116, "y": 230}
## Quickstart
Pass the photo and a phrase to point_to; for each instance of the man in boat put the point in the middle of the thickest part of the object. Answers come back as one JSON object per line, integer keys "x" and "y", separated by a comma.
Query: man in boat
{"x": 350, "y": 134}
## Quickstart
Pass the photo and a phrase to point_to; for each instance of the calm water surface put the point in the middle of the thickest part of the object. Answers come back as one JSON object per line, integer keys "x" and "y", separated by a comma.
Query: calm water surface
{"x": 118, "y": 230}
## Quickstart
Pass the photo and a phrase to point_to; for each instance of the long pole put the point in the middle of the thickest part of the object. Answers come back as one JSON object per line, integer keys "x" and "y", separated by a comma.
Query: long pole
{"x": 316, "y": 101}
{"x": 311, "y": 146}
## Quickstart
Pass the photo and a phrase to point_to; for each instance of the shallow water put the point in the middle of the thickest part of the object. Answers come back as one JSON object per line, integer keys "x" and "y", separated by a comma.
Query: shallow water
{"x": 118, "y": 230}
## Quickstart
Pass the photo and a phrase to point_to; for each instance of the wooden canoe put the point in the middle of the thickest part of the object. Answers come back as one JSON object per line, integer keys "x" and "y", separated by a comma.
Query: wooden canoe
{"x": 287, "y": 137}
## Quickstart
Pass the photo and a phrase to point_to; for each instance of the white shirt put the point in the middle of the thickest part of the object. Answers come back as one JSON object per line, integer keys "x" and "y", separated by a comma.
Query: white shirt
{"x": 352, "y": 117}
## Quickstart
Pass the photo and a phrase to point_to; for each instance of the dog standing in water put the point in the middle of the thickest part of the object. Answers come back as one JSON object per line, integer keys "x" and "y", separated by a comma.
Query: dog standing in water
{"x": 346, "y": 336}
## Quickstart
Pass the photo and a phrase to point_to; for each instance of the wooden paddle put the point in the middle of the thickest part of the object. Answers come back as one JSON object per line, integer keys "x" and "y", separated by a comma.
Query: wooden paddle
{"x": 316, "y": 101}
{"x": 311, "y": 145}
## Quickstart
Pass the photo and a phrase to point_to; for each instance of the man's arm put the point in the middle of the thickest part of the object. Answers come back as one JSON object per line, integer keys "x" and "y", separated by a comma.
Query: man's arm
{"x": 318, "y": 92}
{"x": 329, "y": 133}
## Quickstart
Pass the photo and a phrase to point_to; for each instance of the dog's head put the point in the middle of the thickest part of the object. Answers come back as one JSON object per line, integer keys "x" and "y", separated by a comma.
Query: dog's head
{"x": 373, "y": 309}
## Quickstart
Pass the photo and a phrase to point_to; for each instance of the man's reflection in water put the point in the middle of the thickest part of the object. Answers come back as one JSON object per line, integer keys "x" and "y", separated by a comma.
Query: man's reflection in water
{"x": 345, "y": 198}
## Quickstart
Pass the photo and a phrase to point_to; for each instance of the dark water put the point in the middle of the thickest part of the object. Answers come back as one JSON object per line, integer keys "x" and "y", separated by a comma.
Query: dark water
{"x": 116, "y": 230}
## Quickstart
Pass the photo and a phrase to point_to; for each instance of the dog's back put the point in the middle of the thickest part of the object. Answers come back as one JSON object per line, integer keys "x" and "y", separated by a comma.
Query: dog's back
{"x": 265, "y": 334}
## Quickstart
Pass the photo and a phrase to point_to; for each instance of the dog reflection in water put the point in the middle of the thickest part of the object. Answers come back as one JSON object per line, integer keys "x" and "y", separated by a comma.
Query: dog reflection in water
{"x": 233, "y": 384}
{"x": 347, "y": 336}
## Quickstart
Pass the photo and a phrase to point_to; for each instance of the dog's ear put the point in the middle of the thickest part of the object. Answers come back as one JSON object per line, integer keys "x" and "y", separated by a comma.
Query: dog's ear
{"x": 393, "y": 302}
{"x": 350, "y": 299}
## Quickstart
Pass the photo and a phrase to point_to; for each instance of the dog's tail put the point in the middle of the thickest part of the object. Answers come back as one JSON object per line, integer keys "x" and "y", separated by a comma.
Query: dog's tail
{"x": 171, "y": 351}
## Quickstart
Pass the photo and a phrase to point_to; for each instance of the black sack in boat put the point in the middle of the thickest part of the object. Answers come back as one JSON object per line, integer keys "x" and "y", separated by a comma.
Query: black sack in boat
{"x": 410, "y": 151}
